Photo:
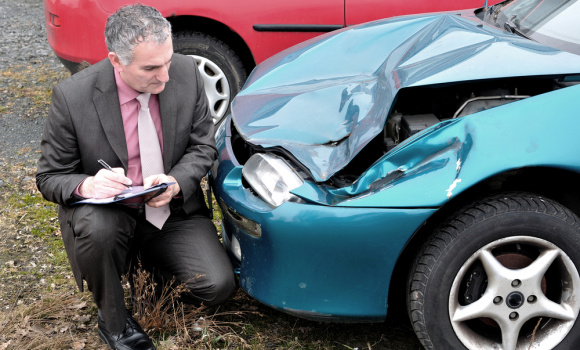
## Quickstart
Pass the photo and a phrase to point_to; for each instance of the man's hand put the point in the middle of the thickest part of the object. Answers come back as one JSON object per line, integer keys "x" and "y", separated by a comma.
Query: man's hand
{"x": 166, "y": 196}
{"x": 104, "y": 184}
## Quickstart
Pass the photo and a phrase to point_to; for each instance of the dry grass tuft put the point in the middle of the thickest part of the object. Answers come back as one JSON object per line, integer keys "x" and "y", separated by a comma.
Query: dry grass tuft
{"x": 56, "y": 321}
{"x": 177, "y": 325}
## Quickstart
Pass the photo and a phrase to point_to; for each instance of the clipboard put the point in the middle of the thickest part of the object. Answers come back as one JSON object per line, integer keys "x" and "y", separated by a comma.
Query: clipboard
{"x": 135, "y": 191}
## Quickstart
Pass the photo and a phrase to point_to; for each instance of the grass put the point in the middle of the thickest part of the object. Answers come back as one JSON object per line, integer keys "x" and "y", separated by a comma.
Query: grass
{"x": 33, "y": 82}
{"x": 32, "y": 214}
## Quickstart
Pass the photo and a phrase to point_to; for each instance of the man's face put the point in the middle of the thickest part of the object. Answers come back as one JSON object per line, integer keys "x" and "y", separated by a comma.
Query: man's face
{"x": 148, "y": 72}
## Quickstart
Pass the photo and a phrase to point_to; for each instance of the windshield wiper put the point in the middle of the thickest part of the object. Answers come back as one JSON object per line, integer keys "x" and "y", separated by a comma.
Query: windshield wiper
{"x": 513, "y": 27}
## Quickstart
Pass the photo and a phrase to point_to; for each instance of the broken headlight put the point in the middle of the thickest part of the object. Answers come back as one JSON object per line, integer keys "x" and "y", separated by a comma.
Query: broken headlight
{"x": 271, "y": 178}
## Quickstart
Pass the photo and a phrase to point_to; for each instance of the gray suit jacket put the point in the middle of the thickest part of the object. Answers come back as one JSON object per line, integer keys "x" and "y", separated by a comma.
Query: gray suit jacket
{"x": 84, "y": 124}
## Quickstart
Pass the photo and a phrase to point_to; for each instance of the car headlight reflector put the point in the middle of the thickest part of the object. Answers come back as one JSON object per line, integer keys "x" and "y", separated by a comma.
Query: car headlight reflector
{"x": 271, "y": 177}
{"x": 248, "y": 226}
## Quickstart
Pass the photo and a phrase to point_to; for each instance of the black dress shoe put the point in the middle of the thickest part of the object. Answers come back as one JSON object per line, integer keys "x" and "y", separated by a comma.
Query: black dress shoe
{"x": 132, "y": 338}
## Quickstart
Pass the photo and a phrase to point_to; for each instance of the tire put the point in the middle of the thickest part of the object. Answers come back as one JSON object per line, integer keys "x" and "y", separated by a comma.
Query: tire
{"x": 500, "y": 274}
{"x": 222, "y": 70}
{"x": 73, "y": 67}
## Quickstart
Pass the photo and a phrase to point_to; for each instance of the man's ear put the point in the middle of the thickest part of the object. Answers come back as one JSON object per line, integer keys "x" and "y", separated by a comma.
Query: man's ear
{"x": 116, "y": 62}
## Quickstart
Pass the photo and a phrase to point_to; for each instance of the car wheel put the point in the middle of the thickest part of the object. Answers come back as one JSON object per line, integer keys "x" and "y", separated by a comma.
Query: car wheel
{"x": 500, "y": 274}
{"x": 222, "y": 70}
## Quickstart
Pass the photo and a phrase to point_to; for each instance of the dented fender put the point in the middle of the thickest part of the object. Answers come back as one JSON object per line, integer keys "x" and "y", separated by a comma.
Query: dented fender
{"x": 454, "y": 155}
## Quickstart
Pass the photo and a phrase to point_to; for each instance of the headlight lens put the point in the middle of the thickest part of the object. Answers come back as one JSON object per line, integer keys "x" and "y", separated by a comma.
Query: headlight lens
{"x": 271, "y": 177}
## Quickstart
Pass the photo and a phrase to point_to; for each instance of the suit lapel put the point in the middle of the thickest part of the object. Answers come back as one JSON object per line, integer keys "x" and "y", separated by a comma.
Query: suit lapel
{"x": 106, "y": 102}
{"x": 167, "y": 103}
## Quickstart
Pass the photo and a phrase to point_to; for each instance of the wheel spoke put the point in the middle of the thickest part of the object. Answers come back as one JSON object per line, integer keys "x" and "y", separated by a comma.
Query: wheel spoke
{"x": 509, "y": 335}
{"x": 214, "y": 96}
{"x": 493, "y": 268}
{"x": 535, "y": 271}
{"x": 478, "y": 309}
{"x": 548, "y": 308}
{"x": 214, "y": 79}
{"x": 201, "y": 64}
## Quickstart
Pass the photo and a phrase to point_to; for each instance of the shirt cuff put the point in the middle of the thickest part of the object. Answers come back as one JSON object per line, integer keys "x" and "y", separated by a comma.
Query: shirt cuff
{"x": 77, "y": 192}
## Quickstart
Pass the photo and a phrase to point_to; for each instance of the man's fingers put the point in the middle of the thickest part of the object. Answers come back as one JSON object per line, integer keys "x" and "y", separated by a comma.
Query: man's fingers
{"x": 166, "y": 196}
{"x": 116, "y": 175}
{"x": 148, "y": 182}
{"x": 107, "y": 183}
{"x": 160, "y": 200}
{"x": 153, "y": 180}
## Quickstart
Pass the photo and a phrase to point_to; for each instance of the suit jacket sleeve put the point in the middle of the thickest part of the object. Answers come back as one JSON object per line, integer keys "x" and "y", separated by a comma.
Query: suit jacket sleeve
{"x": 200, "y": 151}
{"x": 58, "y": 168}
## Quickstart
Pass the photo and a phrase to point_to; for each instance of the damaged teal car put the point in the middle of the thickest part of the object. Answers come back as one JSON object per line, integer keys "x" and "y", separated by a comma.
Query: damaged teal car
{"x": 431, "y": 161}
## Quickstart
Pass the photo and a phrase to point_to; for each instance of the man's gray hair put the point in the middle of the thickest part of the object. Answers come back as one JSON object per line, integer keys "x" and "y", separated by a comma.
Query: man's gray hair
{"x": 131, "y": 25}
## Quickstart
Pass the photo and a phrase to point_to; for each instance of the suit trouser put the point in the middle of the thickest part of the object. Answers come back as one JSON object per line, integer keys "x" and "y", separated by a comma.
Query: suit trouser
{"x": 106, "y": 237}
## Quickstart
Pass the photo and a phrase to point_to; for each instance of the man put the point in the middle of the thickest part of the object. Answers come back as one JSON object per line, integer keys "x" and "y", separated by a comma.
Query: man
{"x": 142, "y": 108}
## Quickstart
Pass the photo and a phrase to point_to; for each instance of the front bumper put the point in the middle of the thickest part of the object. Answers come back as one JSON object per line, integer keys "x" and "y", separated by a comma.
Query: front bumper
{"x": 317, "y": 262}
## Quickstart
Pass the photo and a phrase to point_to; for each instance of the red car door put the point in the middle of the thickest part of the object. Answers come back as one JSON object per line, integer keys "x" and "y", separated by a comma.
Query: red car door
{"x": 281, "y": 24}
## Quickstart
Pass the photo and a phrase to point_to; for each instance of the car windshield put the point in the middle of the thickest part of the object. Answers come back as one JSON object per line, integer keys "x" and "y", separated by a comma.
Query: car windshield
{"x": 555, "y": 23}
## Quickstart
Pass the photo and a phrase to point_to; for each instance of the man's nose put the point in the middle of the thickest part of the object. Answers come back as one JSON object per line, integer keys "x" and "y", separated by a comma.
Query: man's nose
{"x": 163, "y": 75}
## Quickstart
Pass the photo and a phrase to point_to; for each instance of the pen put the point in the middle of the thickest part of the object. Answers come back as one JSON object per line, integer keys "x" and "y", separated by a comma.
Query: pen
{"x": 108, "y": 167}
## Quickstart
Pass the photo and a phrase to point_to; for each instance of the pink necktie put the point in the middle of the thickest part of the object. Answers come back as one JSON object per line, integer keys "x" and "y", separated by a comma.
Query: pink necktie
{"x": 151, "y": 157}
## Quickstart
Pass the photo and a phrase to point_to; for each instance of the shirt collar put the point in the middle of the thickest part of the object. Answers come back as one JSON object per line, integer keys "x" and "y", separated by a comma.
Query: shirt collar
{"x": 126, "y": 93}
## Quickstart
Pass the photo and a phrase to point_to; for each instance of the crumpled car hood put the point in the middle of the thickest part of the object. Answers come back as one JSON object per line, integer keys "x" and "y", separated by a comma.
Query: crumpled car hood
{"x": 325, "y": 99}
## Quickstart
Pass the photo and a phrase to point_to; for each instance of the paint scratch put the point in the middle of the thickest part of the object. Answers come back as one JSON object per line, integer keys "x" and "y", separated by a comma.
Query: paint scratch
{"x": 452, "y": 187}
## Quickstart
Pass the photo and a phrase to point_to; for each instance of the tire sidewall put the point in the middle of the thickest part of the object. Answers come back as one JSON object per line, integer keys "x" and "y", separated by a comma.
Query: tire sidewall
{"x": 473, "y": 238}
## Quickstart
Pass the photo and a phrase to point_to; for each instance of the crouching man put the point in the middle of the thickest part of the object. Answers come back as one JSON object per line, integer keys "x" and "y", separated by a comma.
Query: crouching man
{"x": 144, "y": 112}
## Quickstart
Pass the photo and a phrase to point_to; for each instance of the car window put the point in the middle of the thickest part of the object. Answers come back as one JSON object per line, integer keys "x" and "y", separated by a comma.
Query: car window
{"x": 550, "y": 22}
{"x": 563, "y": 24}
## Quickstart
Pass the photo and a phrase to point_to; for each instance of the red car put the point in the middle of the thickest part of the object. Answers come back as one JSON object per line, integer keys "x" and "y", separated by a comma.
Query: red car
{"x": 228, "y": 38}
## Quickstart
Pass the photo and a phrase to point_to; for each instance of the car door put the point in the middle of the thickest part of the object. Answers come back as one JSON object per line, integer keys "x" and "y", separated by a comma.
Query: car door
{"x": 281, "y": 24}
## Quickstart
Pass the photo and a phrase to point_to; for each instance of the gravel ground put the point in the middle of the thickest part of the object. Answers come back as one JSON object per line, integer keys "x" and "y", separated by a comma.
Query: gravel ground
{"x": 28, "y": 70}
{"x": 22, "y": 43}
{"x": 23, "y": 34}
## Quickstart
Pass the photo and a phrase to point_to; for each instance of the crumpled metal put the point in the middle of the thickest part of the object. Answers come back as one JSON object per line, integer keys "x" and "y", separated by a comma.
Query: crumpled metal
{"x": 327, "y": 98}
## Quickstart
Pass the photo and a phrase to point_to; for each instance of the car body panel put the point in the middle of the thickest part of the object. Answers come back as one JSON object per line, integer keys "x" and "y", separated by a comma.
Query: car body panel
{"x": 280, "y": 104}
{"x": 78, "y": 33}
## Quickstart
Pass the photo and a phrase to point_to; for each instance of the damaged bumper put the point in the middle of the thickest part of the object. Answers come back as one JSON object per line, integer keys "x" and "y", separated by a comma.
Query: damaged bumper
{"x": 305, "y": 258}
